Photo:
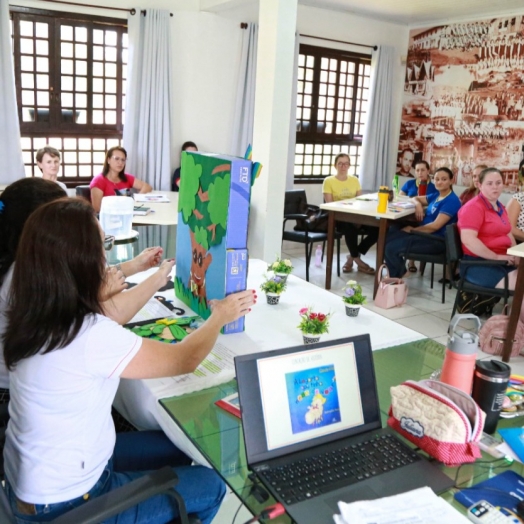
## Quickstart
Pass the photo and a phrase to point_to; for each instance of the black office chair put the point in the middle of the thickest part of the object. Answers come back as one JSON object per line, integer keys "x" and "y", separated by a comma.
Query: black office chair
{"x": 429, "y": 258}
{"x": 84, "y": 192}
{"x": 101, "y": 508}
{"x": 455, "y": 254}
{"x": 295, "y": 205}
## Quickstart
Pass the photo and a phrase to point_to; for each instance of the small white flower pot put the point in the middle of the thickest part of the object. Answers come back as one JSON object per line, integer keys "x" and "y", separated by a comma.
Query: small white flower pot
{"x": 310, "y": 339}
{"x": 352, "y": 310}
{"x": 272, "y": 298}
{"x": 283, "y": 276}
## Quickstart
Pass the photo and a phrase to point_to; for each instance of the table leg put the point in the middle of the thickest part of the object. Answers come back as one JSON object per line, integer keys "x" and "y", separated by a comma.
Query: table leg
{"x": 330, "y": 242}
{"x": 381, "y": 242}
{"x": 515, "y": 312}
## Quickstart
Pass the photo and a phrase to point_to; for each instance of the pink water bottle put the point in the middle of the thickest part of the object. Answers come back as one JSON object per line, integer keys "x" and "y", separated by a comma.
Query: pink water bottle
{"x": 318, "y": 256}
{"x": 461, "y": 354}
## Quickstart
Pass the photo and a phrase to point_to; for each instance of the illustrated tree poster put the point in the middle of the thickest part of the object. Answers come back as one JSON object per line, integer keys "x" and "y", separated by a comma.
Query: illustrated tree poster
{"x": 211, "y": 248}
{"x": 464, "y": 98}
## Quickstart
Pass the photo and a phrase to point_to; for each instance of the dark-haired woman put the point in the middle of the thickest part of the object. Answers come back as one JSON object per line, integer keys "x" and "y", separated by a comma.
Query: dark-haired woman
{"x": 441, "y": 209}
{"x": 175, "y": 181}
{"x": 65, "y": 362}
{"x": 114, "y": 180}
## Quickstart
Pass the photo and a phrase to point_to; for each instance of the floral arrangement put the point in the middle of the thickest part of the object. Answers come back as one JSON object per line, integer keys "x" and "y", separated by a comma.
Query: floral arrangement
{"x": 312, "y": 323}
{"x": 353, "y": 293}
{"x": 274, "y": 285}
{"x": 281, "y": 266}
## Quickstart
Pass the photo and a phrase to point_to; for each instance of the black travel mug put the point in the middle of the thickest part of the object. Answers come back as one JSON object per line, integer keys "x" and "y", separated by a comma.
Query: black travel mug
{"x": 489, "y": 387}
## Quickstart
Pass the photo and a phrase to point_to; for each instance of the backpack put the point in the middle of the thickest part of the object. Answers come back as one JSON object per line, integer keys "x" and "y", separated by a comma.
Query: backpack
{"x": 493, "y": 334}
{"x": 476, "y": 304}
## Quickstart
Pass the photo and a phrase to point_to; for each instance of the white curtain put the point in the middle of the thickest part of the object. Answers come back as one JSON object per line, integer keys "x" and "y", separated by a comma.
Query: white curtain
{"x": 377, "y": 152}
{"x": 10, "y": 149}
{"x": 147, "y": 128}
{"x": 290, "y": 175}
{"x": 245, "y": 101}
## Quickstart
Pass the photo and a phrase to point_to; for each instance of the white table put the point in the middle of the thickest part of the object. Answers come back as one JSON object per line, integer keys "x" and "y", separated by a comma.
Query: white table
{"x": 164, "y": 214}
{"x": 267, "y": 327}
{"x": 360, "y": 210}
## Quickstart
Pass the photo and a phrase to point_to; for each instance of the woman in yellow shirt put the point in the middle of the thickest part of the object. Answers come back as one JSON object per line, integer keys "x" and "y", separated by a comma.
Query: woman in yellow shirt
{"x": 340, "y": 187}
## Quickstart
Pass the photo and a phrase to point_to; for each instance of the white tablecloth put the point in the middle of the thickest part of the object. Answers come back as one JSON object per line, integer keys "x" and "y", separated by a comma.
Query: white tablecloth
{"x": 267, "y": 327}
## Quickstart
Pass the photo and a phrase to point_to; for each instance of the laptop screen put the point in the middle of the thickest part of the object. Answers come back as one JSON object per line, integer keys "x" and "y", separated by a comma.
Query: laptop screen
{"x": 297, "y": 398}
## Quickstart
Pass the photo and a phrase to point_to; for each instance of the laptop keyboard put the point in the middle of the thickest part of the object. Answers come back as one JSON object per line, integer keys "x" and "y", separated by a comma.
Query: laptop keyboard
{"x": 312, "y": 476}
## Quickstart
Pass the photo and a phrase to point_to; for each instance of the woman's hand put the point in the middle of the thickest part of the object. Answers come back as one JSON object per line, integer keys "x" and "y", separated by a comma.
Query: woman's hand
{"x": 165, "y": 271}
{"x": 233, "y": 306}
{"x": 419, "y": 211}
{"x": 114, "y": 283}
{"x": 150, "y": 257}
{"x": 512, "y": 261}
{"x": 408, "y": 229}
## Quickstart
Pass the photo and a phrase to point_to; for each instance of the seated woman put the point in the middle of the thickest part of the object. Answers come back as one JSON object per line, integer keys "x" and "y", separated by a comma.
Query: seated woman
{"x": 175, "y": 181}
{"x": 17, "y": 202}
{"x": 113, "y": 180}
{"x": 485, "y": 233}
{"x": 65, "y": 362}
{"x": 340, "y": 187}
{"x": 441, "y": 209}
{"x": 420, "y": 185}
{"x": 472, "y": 191}
{"x": 516, "y": 215}
{"x": 48, "y": 161}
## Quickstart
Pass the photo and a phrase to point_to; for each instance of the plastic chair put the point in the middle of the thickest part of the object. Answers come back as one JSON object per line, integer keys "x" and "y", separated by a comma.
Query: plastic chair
{"x": 455, "y": 254}
{"x": 295, "y": 205}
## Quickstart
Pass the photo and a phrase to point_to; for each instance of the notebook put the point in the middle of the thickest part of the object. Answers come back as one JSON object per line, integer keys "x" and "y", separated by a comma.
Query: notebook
{"x": 305, "y": 405}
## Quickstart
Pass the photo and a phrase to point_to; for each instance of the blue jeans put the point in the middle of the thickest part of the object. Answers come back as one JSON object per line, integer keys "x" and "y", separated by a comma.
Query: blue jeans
{"x": 135, "y": 454}
{"x": 396, "y": 243}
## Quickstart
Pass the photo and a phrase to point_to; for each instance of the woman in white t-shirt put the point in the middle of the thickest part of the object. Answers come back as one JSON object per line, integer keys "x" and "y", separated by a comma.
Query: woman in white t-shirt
{"x": 65, "y": 362}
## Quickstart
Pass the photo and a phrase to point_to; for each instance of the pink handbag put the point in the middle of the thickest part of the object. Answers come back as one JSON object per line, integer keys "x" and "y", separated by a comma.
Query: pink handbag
{"x": 391, "y": 292}
{"x": 492, "y": 335}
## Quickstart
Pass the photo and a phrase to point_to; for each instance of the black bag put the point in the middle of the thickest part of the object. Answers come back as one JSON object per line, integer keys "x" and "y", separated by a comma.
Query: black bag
{"x": 476, "y": 304}
{"x": 317, "y": 220}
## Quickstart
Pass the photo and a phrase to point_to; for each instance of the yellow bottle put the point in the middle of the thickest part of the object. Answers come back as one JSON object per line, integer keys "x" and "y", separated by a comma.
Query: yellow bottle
{"x": 383, "y": 196}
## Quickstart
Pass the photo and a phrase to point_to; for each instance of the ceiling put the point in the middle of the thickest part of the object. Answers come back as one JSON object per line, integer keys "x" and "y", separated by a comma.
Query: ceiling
{"x": 419, "y": 12}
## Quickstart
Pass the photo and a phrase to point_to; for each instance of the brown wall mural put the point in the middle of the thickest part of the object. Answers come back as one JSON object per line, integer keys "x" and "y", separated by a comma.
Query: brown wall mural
{"x": 463, "y": 99}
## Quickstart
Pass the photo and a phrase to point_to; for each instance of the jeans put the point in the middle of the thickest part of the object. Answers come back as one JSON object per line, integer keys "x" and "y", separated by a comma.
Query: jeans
{"x": 135, "y": 454}
{"x": 396, "y": 243}
{"x": 351, "y": 232}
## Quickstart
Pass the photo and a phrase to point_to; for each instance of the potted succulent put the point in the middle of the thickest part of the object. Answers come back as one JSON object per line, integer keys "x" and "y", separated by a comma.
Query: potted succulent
{"x": 353, "y": 298}
{"x": 281, "y": 267}
{"x": 313, "y": 324}
{"x": 273, "y": 288}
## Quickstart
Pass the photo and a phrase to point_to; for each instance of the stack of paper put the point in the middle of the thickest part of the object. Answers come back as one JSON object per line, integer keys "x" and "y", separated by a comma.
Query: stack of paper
{"x": 420, "y": 506}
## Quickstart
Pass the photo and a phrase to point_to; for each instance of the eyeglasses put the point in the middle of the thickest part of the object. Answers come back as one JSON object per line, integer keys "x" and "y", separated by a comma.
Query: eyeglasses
{"x": 343, "y": 164}
{"x": 109, "y": 241}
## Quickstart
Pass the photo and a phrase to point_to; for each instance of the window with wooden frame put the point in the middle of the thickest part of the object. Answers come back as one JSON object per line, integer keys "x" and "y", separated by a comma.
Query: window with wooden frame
{"x": 332, "y": 103}
{"x": 70, "y": 74}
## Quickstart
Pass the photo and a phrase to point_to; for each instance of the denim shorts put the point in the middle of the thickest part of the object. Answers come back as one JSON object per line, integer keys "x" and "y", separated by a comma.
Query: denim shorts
{"x": 484, "y": 275}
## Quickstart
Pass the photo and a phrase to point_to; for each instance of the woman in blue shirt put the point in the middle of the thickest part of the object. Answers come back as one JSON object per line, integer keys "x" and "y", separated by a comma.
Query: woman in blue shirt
{"x": 441, "y": 209}
{"x": 415, "y": 186}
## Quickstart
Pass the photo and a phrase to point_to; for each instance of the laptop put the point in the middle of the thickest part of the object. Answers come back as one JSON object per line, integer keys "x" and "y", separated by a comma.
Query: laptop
{"x": 312, "y": 430}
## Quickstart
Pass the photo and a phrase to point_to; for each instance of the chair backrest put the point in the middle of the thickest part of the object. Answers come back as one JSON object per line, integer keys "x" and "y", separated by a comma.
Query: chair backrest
{"x": 84, "y": 192}
{"x": 453, "y": 243}
{"x": 295, "y": 202}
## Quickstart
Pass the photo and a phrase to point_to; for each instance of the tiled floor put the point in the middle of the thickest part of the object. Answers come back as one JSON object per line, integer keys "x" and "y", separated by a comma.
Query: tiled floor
{"x": 423, "y": 312}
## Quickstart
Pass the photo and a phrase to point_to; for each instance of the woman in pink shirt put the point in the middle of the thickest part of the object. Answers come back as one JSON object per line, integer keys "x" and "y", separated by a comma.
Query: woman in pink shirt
{"x": 485, "y": 233}
{"x": 113, "y": 180}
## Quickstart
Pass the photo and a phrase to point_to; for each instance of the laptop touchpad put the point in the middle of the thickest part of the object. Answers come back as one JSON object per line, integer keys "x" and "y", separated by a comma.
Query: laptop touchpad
{"x": 351, "y": 495}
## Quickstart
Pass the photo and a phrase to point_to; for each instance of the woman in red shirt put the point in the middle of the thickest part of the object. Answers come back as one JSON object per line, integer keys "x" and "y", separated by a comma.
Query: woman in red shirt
{"x": 485, "y": 233}
{"x": 113, "y": 180}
